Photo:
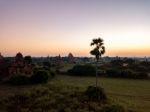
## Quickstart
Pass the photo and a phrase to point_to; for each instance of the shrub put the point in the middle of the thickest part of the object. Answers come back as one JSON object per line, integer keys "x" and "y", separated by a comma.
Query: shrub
{"x": 142, "y": 75}
{"x": 82, "y": 70}
{"x": 134, "y": 75}
{"x": 126, "y": 74}
{"x": 112, "y": 108}
{"x": 101, "y": 72}
{"x": 94, "y": 93}
{"x": 45, "y": 68}
{"x": 52, "y": 73}
{"x": 36, "y": 69}
{"x": 40, "y": 76}
{"x": 141, "y": 68}
{"x": 113, "y": 73}
{"x": 19, "y": 80}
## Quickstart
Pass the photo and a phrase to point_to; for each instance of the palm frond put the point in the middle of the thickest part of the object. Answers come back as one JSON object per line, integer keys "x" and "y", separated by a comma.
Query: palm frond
{"x": 99, "y": 48}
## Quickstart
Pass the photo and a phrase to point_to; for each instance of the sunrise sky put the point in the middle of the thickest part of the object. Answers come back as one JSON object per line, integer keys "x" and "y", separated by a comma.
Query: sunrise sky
{"x": 52, "y": 27}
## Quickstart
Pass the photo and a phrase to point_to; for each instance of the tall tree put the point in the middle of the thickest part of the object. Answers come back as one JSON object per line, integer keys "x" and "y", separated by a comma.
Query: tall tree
{"x": 98, "y": 51}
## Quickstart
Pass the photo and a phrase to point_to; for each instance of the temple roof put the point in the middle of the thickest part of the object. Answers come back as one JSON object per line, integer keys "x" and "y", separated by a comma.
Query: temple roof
{"x": 70, "y": 55}
{"x": 19, "y": 55}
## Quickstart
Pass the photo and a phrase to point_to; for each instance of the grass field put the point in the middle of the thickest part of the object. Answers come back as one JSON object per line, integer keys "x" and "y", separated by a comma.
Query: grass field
{"x": 132, "y": 94}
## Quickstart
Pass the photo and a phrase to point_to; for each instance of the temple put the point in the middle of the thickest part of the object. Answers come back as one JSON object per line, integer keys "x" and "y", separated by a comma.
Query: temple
{"x": 19, "y": 66}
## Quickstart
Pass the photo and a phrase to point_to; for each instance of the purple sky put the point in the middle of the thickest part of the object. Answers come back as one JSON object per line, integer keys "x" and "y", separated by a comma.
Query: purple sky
{"x": 52, "y": 27}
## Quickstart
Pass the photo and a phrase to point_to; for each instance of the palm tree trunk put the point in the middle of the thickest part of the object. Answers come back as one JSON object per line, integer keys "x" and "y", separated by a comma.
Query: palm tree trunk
{"x": 96, "y": 72}
{"x": 97, "y": 79}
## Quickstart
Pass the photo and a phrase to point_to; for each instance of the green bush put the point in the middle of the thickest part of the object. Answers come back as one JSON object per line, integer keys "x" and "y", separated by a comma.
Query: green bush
{"x": 52, "y": 73}
{"x": 40, "y": 76}
{"x": 82, "y": 70}
{"x": 127, "y": 73}
{"x": 95, "y": 94}
{"x": 113, "y": 73}
{"x": 112, "y": 108}
{"x": 142, "y": 75}
{"x": 19, "y": 80}
{"x": 36, "y": 69}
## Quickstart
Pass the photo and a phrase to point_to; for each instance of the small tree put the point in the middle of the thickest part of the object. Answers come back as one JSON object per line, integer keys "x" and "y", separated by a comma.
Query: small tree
{"x": 98, "y": 51}
{"x": 28, "y": 59}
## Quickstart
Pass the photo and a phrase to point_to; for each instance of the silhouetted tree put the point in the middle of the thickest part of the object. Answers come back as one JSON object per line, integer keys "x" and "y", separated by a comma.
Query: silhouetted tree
{"x": 28, "y": 59}
{"x": 98, "y": 51}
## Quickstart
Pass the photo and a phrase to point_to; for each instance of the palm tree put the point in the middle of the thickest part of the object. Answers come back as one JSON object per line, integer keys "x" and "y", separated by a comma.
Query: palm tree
{"x": 98, "y": 51}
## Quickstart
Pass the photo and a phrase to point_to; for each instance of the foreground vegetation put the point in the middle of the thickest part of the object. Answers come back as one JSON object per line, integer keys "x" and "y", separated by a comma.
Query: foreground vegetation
{"x": 59, "y": 98}
{"x": 133, "y": 94}
{"x": 66, "y": 91}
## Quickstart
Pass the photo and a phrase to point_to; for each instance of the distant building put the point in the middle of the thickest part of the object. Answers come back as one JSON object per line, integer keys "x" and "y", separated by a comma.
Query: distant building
{"x": 20, "y": 67}
{"x": 71, "y": 58}
{"x": 19, "y": 61}
{"x": 59, "y": 60}
{"x": 3, "y": 66}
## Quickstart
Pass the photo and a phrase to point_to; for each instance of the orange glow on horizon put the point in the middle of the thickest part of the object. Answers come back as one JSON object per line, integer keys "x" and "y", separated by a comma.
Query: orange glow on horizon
{"x": 132, "y": 52}
{"x": 53, "y": 28}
